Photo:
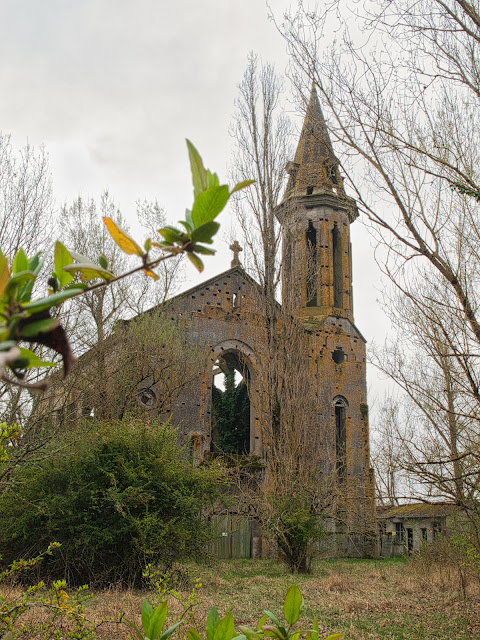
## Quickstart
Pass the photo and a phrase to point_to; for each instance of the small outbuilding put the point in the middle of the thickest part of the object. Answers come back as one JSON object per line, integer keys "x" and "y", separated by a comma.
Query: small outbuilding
{"x": 406, "y": 528}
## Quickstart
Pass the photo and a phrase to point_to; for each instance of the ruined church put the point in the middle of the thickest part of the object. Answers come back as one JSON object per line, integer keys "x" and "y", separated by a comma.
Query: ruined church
{"x": 221, "y": 315}
{"x": 224, "y": 318}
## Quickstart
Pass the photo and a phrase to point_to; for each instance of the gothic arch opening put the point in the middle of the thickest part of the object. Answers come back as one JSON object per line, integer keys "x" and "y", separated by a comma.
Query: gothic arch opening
{"x": 231, "y": 408}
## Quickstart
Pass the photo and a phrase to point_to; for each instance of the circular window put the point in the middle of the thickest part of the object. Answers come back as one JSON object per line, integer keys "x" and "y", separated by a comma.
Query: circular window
{"x": 147, "y": 398}
{"x": 338, "y": 356}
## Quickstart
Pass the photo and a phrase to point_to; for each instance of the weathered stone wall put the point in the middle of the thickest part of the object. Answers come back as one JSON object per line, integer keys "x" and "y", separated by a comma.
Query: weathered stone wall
{"x": 221, "y": 316}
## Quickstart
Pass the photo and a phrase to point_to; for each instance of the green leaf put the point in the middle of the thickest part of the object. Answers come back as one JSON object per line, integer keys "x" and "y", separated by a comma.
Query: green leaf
{"x": 78, "y": 257}
{"x": 198, "y": 248}
{"x": 212, "y": 621}
{"x": 242, "y": 185}
{"x": 157, "y": 620}
{"x": 20, "y": 278}
{"x": 273, "y": 617}
{"x": 102, "y": 261}
{"x": 335, "y": 636}
{"x": 225, "y": 629}
{"x": 147, "y": 611}
{"x": 147, "y": 245}
{"x": 205, "y": 232}
{"x": 261, "y": 622}
{"x": 199, "y": 175}
{"x": 34, "y": 360}
{"x": 171, "y": 235}
{"x": 313, "y": 633}
{"x": 90, "y": 271}
{"x": 52, "y": 301}
{"x": 187, "y": 225}
{"x": 35, "y": 264}
{"x": 137, "y": 631}
{"x": 293, "y": 605}
{"x": 77, "y": 285}
{"x": 62, "y": 258}
{"x": 188, "y": 219}
{"x": 271, "y": 631}
{"x": 250, "y": 634}
{"x": 45, "y": 325}
{"x": 20, "y": 262}
{"x": 169, "y": 631}
{"x": 195, "y": 260}
{"x": 121, "y": 238}
{"x": 192, "y": 634}
{"x": 209, "y": 204}
{"x": 212, "y": 179}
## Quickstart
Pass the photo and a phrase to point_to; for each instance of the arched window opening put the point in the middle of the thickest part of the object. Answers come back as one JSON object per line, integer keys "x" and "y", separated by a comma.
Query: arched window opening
{"x": 311, "y": 238}
{"x": 340, "y": 405}
{"x": 337, "y": 267}
{"x": 230, "y": 405}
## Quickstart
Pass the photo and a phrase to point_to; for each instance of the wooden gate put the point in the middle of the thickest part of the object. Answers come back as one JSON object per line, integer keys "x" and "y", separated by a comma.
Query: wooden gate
{"x": 232, "y": 536}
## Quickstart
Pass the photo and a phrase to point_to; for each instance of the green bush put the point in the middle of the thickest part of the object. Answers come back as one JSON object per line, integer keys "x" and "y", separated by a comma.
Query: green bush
{"x": 125, "y": 495}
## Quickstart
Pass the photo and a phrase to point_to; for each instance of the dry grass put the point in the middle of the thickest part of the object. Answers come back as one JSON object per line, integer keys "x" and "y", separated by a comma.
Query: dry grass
{"x": 371, "y": 599}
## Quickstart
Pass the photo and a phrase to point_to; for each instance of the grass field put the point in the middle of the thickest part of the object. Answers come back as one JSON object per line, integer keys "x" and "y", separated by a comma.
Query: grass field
{"x": 385, "y": 599}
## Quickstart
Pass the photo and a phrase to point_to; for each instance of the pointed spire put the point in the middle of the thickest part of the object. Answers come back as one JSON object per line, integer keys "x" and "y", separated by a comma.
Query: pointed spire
{"x": 315, "y": 169}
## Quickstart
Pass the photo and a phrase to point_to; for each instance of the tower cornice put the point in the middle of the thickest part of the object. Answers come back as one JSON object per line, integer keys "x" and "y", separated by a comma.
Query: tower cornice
{"x": 330, "y": 200}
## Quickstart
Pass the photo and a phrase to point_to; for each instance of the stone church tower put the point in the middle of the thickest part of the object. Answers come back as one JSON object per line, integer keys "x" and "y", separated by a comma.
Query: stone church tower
{"x": 315, "y": 215}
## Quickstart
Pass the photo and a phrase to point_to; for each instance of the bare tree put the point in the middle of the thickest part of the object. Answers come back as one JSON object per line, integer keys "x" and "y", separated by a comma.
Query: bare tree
{"x": 93, "y": 316}
{"x": 26, "y": 201}
{"x": 402, "y": 96}
{"x": 438, "y": 433}
{"x": 293, "y": 495}
{"x": 386, "y": 454}
{"x": 26, "y": 216}
{"x": 262, "y": 134}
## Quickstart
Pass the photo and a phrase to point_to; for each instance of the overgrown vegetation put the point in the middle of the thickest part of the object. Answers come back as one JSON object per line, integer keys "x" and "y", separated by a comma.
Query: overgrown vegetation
{"x": 418, "y": 599}
{"x": 231, "y": 411}
{"x": 124, "y": 496}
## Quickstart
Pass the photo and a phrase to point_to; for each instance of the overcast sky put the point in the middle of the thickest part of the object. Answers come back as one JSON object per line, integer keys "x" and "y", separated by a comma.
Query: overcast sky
{"x": 113, "y": 87}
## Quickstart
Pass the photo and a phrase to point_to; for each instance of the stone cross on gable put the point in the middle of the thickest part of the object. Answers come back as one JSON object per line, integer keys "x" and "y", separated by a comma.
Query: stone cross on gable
{"x": 236, "y": 248}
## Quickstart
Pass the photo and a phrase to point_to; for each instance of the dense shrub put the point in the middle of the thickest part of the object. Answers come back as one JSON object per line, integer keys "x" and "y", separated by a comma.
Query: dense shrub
{"x": 125, "y": 495}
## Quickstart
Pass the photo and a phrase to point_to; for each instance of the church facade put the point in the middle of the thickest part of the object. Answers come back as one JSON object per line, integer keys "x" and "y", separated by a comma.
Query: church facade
{"x": 222, "y": 316}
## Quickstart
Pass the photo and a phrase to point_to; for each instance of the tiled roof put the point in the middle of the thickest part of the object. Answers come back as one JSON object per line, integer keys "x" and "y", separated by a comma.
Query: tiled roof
{"x": 418, "y": 510}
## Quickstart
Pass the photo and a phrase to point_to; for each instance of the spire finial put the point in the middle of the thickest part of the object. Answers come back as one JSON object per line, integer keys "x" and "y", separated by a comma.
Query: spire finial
{"x": 236, "y": 248}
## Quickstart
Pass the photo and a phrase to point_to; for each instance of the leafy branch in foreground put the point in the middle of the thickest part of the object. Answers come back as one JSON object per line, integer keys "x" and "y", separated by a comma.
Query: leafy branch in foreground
{"x": 216, "y": 628}
{"x": 23, "y": 319}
